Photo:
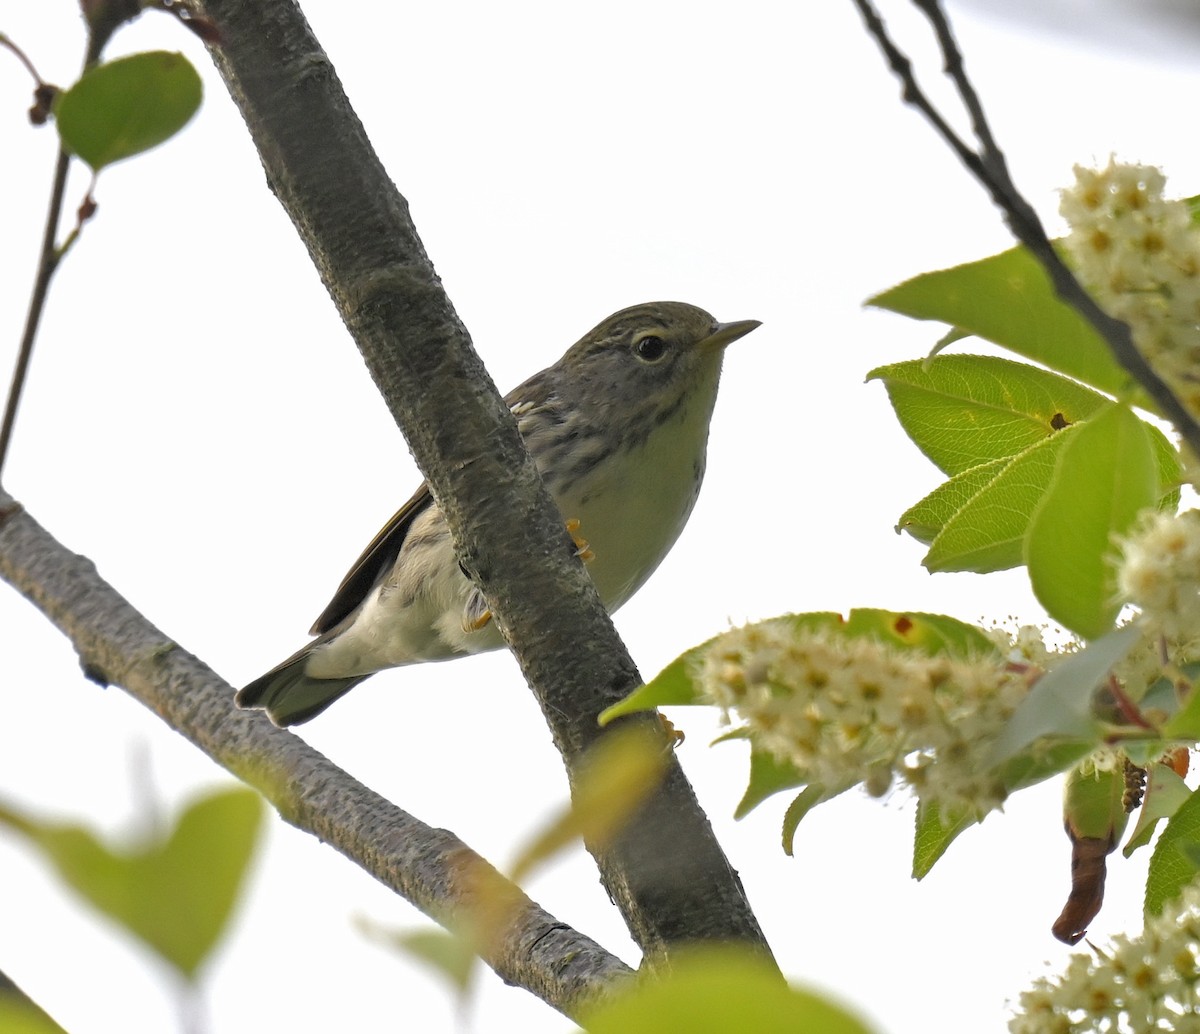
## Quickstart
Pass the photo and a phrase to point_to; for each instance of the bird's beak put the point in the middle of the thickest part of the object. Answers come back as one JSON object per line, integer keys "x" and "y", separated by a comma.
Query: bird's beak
{"x": 726, "y": 333}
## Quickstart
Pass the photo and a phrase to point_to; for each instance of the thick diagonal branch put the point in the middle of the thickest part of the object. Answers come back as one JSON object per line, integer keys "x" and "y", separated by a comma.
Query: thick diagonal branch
{"x": 429, "y": 867}
{"x": 667, "y": 873}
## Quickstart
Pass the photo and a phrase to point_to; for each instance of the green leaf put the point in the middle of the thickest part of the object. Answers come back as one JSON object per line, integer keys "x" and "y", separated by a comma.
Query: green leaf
{"x": 809, "y": 798}
{"x": 176, "y": 893}
{"x": 1060, "y": 703}
{"x": 931, "y": 634}
{"x": 1166, "y": 793}
{"x": 987, "y": 533}
{"x": 1106, "y": 475}
{"x": 1008, "y": 299}
{"x": 127, "y": 106}
{"x": 674, "y": 686}
{"x": 925, "y": 519}
{"x": 1093, "y": 804}
{"x": 1173, "y": 863}
{"x": 769, "y": 775}
{"x": 1185, "y": 725}
{"x": 934, "y": 833}
{"x": 715, "y": 990}
{"x": 965, "y": 410}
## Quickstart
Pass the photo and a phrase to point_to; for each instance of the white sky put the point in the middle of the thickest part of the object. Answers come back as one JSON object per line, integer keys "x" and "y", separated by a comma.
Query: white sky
{"x": 199, "y": 424}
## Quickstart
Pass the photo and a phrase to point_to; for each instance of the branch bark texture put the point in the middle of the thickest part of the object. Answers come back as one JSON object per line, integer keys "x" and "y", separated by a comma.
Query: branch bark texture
{"x": 429, "y": 867}
{"x": 667, "y": 874}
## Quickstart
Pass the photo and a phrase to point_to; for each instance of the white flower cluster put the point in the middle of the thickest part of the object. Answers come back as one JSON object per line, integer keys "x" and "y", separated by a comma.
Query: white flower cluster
{"x": 1140, "y": 985}
{"x": 847, "y": 710}
{"x": 1160, "y": 574}
{"x": 1139, "y": 254}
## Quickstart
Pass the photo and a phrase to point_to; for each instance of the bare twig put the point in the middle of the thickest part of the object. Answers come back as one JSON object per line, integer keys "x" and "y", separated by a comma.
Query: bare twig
{"x": 989, "y": 166}
{"x": 50, "y": 255}
{"x": 429, "y": 867}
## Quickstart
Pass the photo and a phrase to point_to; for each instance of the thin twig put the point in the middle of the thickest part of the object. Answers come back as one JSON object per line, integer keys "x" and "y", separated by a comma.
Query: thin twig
{"x": 47, "y": 264}
{"x": 51, "y": 254}
{"x": 7, "y": 42}
{"x": 989, "y": 167}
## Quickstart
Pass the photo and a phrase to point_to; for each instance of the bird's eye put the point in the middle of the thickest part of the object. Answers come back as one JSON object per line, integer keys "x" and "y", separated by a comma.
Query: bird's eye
{"x": 650, "y": 348}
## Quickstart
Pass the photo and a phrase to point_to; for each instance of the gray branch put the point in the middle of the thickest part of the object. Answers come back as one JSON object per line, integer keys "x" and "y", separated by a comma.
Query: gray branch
{"x": 667, "y": 873}
{"x": 431, "y": 868}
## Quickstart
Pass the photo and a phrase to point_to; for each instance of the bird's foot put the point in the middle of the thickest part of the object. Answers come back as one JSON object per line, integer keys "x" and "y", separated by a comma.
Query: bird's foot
{"x": 582, "y": 549}
{"x": 477, "y": 613}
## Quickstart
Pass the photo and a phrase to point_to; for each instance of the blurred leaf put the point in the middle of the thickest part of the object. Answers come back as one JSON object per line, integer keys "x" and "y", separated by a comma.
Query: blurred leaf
{"x": 1185, "y": 723}
{"x": 20, "y": 1015}
{"x": 965, "y": 410}
{"x": 1008, "y": 299}
{"x": 1174, "y": 863}
{"x": 620, "y": 771}
{"x": 175, "y": 893}
{"x": 1106, "y": 475}
{"x": 1059, "y": 704}
{"x": 1165, "y": 794}
{"x": 716, "y": 991}
{"x": 452, "y": 958}
{"x": 123, "y": 107}
{"x": 1093, "y": 807}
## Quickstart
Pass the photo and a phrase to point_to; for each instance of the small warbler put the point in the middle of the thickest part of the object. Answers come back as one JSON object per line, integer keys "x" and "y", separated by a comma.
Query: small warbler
{"x": 618, "y": 428}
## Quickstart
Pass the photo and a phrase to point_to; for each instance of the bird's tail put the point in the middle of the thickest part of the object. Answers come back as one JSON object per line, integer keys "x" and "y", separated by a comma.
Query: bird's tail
{"x": 289, "y": 696}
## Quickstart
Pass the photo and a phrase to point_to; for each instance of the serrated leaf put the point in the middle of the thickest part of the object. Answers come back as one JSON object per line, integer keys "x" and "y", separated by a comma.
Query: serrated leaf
{"x": 1008, "y": 299}
{"x": 175, "y": 893}
{"x": 1173, "y": 863}
{"x": 123, "y": 107}
{"x": 715, "y": 990}
{"x": 801, "y": 805}
{"x": 1059, "y": 705}
{"x": 1106, "y": 475}
{"x": 987, "y": 533}
{"x": 925, "y": 519}
{"x": 934, "y": 833}
{"x": 963, "y": 410}
{"x": 769, "y": 775}
{"x": 809, "y": 798}
{"x": 1165, "y": 794}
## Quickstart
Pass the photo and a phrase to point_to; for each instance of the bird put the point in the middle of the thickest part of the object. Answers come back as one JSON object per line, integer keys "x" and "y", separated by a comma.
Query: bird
{"x": 618, "y": 428}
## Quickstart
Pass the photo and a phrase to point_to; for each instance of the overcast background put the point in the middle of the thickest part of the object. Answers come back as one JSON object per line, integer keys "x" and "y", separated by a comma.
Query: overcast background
{"x": 199, "y": 423}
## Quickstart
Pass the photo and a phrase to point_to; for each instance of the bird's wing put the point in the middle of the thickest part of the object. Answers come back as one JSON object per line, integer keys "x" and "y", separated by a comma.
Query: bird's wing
{"x": 377, "y": 558}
